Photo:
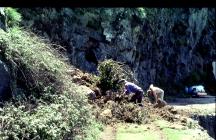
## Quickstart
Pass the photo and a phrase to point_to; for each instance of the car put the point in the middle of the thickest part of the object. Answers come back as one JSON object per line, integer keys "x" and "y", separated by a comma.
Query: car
{"x": 196, "y": 91}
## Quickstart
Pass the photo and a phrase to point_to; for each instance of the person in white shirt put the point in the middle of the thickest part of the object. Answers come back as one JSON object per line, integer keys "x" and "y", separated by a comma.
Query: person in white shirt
{"x": 155, "y": 94}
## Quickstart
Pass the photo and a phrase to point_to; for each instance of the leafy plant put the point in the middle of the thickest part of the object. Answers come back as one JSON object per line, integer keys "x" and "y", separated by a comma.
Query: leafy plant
{"x": 110, "y": 72}
{"x": 13, "y": 18}
{"x": 55, "y": 108}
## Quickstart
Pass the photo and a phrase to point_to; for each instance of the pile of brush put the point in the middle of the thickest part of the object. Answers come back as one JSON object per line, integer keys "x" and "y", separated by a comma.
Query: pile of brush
{"x": 116, "y": 107}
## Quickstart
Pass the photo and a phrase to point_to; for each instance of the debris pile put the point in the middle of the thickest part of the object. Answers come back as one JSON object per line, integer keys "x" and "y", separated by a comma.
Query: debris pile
{"x": 113, "y": 107}
{"x": 117, "y": 108}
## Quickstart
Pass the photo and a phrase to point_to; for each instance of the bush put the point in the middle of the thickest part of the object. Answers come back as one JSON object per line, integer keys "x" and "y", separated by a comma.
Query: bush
{"x": 62, "y": 119}
{"x": 55, "y": 108}
{"x": 59, "y": 120}
{"x": 123, "y": 111}
{"x": 110, "y": 72}
{"x": 13, "y": 18}
{"x": 33, "y": 62}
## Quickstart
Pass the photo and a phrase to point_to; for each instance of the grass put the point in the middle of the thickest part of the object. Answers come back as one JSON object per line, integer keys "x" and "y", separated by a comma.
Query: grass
{"x": 182, "y": 133}
{"x": 134, "y": 131}
{"x": 158, "y": 130}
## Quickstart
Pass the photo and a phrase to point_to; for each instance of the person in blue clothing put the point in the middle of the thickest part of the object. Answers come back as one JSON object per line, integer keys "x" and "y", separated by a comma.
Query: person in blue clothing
{"x": 133, "y": 88}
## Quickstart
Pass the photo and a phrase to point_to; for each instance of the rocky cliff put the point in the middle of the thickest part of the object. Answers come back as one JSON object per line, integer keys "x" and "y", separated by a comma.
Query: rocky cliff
{"x": 168, "y": 47}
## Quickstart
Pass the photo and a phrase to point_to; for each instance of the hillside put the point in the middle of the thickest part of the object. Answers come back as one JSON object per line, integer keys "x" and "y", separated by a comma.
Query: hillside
{"x": 60, "y": 70}
{"x": 39, "y": 99}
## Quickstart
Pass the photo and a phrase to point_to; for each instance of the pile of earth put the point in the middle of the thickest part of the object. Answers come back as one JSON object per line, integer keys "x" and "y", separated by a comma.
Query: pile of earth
{"x": 116, "y": 107}
{"x": 113, "y": 107}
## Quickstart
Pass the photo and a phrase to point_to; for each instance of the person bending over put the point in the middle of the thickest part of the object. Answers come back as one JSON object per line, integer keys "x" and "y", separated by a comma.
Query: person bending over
{"x": 155, "y": 94}
{"x": 133, "y": 88}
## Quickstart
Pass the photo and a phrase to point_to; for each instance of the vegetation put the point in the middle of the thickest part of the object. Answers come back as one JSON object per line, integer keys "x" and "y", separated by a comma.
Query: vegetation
{"x": 130, "y": 131}
{"x": 52, "y": 107}
{"x": 110, "y": 72}
{"x": 163, "y": 129}
{"x": 47, "y": 104}
{"x": 13, "y": 18}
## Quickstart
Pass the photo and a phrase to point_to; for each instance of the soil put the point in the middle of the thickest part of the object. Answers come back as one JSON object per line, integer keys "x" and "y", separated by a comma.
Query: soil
{"x": 117, "y": 108}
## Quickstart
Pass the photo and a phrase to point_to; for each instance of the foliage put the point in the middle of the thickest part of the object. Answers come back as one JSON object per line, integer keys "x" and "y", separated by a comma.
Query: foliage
{"x": 38, "y": 63}
{"x": 93, "y": 134}
{"x": 128, "y": 112}
{"x": 13, "y": 18}
{"x": 110, "y": 72}
{"x": 58, "y": 120}
{"x": 53, "y": 107}
{"x": 141, "y": 12}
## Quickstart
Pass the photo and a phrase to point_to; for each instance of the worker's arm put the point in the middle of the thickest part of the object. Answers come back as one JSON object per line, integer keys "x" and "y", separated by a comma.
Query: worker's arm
{"x": 155, "y": 97}
{"x": 126, "y": 91}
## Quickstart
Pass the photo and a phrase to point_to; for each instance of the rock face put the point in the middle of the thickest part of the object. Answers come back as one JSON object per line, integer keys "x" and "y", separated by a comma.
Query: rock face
{"x": 2, "y": 19}
{"x": 5, "y": 80}
{"x": 162, "y": 46}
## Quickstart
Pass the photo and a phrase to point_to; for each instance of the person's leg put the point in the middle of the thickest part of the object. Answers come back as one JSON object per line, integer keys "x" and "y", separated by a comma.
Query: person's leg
{"x": 133, "y": 98}
{"x": 139, "y": 97}
{"x": 162, "y": 95}
{"x": 151, "y": 98}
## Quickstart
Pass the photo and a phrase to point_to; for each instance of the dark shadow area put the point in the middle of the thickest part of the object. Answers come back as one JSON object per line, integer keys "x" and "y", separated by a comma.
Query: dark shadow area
{"x": 90, "y": 54}
{"x": 208, "y": 122}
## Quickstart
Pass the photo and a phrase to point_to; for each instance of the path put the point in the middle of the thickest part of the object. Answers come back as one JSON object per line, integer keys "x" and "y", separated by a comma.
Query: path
{"x": 109, "y": 133}
{"x": 159, "y": 132}
{"x": 126, "y": 131}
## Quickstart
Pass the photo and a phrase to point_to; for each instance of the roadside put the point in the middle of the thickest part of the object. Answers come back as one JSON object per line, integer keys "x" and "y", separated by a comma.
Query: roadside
{"x": 205, "y": 105}
{"x": 166, "y": 130}
{"x": 159, "y": 129}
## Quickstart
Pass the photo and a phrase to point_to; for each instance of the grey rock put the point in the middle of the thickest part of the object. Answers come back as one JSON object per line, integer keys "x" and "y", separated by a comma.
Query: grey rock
{"x": 163, "y": 48}
{"x": 2, "y": 19}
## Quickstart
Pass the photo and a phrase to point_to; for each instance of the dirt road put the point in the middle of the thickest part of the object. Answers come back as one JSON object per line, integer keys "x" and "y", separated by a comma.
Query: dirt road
{"x": 205, "y": 105}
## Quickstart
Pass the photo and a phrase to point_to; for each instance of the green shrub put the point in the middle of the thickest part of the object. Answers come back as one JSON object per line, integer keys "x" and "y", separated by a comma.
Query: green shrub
{"x": 92, "y": 134}
{"x": 141, "y": 12}
{"x": 55, "y": 108}
{"x": 110, "y": 72}
{"x": 39, "y": 65}
{"x": 13, "y": 18}
{"x": 55, "y": 121}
